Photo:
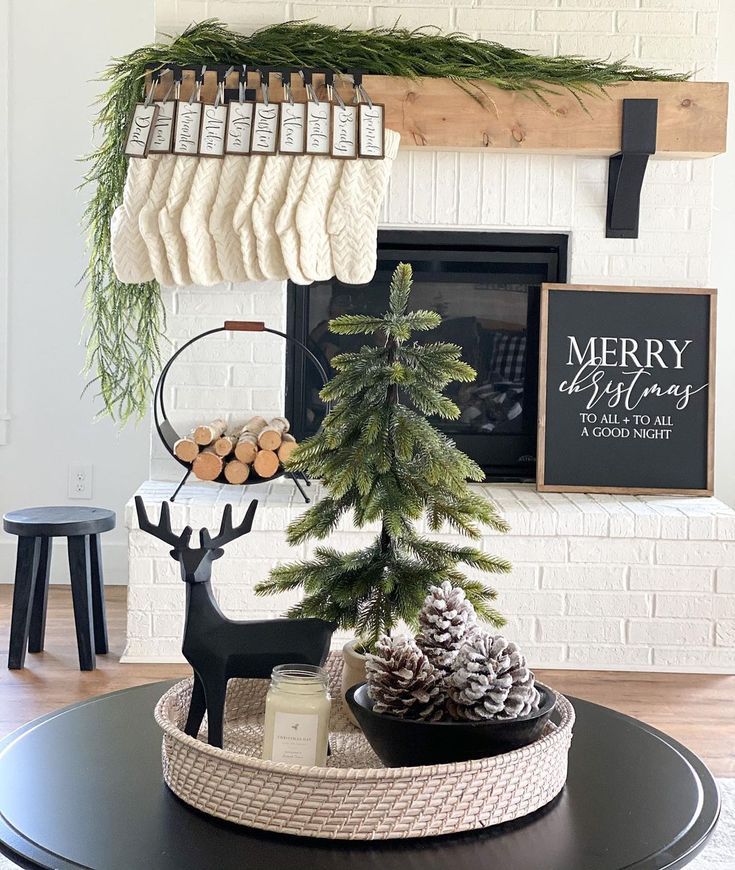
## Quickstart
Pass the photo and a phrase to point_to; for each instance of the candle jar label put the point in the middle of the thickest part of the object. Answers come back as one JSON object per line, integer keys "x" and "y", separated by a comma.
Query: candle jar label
{"x": 295, "y": 738}
{"x": 214, "y": 126}
{"x": 162, "y": 137}
{"x": 188, "y": 124}
{"x": 239, "y": 127}
{"x": 344, "y": 131}
{"x": 372, "y": 131}
{"x": 265, "y": 128}
{"x": 293, "y": 121}
{"x": 317, "y": 128}
{"x": 142, "y": 123}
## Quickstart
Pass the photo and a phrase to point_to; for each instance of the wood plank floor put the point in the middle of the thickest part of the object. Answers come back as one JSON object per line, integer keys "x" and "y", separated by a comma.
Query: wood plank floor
{"x": 697, "y": 710}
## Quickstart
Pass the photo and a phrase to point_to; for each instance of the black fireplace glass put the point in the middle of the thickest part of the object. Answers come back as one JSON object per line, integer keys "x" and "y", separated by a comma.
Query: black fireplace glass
{"x": 486, "y": 286}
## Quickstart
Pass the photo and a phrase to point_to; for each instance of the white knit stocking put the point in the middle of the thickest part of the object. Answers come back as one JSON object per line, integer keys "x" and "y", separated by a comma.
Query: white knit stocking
{"x": 353, "y": 217}
{"x": 285, "y": 225}
{"x": 242, "y": 220}
{"x": 267, "y": 205}
{"x": 169, "y": 218}
{"x": 226, "y": 240}
{"x": 148, "y": 220}
{"x": 315, "y": 255}
{"x": 200, "y": 247}
{"x": 130, "y": 259}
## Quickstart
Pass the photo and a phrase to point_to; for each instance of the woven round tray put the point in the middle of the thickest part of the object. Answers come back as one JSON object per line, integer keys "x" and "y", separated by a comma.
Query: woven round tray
{"x": 355, "y": 797}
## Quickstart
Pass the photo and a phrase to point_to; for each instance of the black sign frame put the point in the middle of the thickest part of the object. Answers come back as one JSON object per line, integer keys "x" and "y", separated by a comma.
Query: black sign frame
{"x": 546, "y": 482}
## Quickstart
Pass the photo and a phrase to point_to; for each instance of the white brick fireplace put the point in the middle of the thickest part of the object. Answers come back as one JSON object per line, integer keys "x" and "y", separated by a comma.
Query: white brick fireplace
{"x": 598, "y": 581}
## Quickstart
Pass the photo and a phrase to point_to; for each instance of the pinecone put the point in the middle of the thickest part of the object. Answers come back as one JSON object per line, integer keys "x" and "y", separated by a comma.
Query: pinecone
{"x": 490, "y": 680}
{"x": 403, "y": 682}
{"x": 446, "y": 618}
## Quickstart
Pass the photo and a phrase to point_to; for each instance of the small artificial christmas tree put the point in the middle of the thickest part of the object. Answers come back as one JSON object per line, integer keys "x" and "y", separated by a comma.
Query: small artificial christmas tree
{"x": 384, "y": 461}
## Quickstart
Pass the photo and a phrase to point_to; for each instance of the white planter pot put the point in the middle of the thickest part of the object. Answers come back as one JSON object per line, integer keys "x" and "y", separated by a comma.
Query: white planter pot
{"x": 353, "y": 671}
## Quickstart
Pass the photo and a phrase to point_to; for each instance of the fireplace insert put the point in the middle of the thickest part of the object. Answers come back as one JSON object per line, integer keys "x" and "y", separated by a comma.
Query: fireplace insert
{"x": 486, "y": 286}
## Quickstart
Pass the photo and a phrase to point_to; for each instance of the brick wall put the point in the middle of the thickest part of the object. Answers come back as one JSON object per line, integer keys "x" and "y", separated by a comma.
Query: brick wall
{"x": 598, "y": 581}
{"x": 490, "y": 191}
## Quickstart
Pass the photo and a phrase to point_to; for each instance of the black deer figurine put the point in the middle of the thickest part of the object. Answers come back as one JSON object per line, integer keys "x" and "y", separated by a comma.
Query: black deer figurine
{"x": 216, "y": 647}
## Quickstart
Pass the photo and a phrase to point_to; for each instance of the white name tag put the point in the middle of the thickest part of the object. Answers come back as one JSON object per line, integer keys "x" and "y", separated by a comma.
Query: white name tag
{"x": 141, "y": 127}
{"x": 344, "y": 131}
{"x": 372, "y": 131}
{"x": 188, "y": 125}
{"x": 214, "y": 126}
{"x": 239, "y": 128}
{"x": 293, "y": 127}
{"x": 162, "y": 138}
{"x": 317, "y": 128}
{"x": 265, "y": 128}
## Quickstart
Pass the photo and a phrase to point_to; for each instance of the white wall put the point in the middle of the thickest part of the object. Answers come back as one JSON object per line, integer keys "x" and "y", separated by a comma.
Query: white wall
{"x": 723, "y": 268}
{"x": 50, "y": 424}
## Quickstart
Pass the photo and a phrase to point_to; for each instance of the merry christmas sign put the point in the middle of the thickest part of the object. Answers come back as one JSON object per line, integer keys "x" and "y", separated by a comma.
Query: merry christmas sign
{"x": 626, "y": 389}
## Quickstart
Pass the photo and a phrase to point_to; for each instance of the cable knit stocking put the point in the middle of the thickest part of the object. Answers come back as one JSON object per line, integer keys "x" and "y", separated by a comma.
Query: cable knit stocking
{"x": 267, "y": 205}
{"x": 315, "y": 255}
{"x": 169, "y": 218}
{"x": 353, "y": 217}
{"x": 226, "y": 240}
{"x": 285, "y": 225}
{"x": 200, "y": 247}
{"x": 130, "y": 259}
{"x": 148, "y": 220}
{"x": 242, "y": 220}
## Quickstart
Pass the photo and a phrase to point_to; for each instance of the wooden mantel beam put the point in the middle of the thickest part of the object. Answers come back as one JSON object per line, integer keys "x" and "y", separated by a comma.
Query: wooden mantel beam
{"x": 439, "y": 115}
{"x": 435, "y": 113}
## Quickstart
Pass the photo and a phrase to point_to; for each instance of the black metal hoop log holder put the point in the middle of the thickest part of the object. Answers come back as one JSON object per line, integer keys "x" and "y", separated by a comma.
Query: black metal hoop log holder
{"x": 169, "y": 436}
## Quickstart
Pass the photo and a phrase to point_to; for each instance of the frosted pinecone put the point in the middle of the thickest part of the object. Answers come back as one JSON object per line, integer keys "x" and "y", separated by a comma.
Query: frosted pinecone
{"x": 445, "y": 619}
{"x": 403, "y": 682}
{"x": 490, "y": 680}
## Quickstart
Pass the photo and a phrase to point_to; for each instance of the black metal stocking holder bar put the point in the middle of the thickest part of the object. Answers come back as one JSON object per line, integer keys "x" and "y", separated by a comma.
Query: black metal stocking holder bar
{"x": 284, "y": 73}
{"x": 169, "y": 435}
{"x": 628, "y": 167}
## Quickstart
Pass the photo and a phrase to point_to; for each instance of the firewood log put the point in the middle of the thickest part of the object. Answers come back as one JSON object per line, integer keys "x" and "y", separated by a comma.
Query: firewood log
{"x": 207, "y": 465}
{"x": 246, "y": 448}
{"x": 266, "y": 463}
{"x": 207, "y": 433}
{"x": 236, "y": 471}
{"x": 186, "y": 449}
{"x": 247, "y": 443}
{"x": 224, "y": 445}
{"x": 270, "y": 438}
{"x": 287, "y": 447}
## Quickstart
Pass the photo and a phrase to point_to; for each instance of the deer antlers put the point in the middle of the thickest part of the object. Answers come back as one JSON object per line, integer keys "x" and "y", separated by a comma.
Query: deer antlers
{"x": 163, "y": 531}
{"x": 226, "y": 531}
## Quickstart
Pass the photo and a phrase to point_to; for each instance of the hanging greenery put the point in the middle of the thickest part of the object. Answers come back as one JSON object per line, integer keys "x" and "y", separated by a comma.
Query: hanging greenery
{"x": 125, "y": 322}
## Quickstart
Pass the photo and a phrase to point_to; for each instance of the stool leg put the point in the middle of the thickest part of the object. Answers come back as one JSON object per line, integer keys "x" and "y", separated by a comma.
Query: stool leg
{"x": 81, "y": 593}
{"x": 98, "y": 596}
{"x": 40, "y": 598}
{"x": 26, "y": 566}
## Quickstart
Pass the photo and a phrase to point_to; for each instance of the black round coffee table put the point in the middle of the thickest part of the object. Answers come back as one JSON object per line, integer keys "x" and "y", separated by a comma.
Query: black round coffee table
{"x": 83, "y": 788}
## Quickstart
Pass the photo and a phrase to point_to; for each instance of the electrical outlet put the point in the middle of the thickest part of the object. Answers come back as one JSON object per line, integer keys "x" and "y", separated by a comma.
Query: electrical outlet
{"x": 80, "y": 481}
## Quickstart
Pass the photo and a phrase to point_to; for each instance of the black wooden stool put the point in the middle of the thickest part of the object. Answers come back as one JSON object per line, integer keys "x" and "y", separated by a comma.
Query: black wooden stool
{"x": 35, "y": 527}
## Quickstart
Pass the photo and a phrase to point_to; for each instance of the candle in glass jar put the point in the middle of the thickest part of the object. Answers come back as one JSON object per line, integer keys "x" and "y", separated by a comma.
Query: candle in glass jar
{"x": 297, "y": 708}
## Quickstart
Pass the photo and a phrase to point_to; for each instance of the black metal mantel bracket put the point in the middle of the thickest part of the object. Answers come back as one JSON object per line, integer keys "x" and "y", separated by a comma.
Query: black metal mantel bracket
{"x": 627, "y": 168}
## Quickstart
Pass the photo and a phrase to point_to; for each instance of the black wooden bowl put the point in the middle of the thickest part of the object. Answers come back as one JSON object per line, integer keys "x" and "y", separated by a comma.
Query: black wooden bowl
{"x": 407, "y": 742}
